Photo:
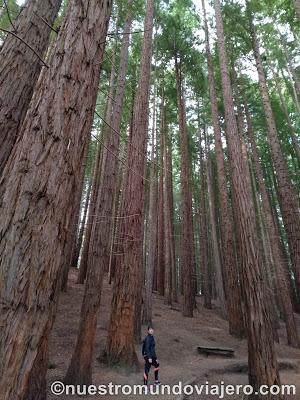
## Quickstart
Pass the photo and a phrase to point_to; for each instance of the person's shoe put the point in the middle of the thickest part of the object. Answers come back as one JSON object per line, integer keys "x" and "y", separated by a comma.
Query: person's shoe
{"x": 157, "y": 383}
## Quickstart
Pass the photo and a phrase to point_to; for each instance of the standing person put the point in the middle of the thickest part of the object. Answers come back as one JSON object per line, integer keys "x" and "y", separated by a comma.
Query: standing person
{"x": 148, "y": 352}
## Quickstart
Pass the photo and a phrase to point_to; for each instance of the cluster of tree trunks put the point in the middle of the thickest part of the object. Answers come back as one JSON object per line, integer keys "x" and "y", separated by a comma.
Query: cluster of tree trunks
{"x": 120, "y": 341}
{"x": 127, "y": 228}
{"x": 39, "y": 181}
{"x": 263, "y": 369}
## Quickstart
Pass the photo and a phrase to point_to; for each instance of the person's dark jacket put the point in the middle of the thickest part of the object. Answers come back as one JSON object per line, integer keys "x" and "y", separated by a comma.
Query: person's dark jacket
{"x": 149, "y": 347}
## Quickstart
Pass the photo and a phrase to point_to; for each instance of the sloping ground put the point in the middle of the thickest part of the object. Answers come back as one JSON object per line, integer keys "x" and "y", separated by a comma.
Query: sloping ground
{"x": 177, "y": 339}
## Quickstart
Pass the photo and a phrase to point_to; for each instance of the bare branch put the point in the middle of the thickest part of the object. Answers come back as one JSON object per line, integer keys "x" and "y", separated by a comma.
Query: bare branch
{"x": 126, "y": 33}
{"x": 26, "y": 44}
{"x": 45, "y": 22}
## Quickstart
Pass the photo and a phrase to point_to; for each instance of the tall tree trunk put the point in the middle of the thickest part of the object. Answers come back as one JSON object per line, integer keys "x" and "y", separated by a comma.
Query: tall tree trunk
{"x": 169, "y": 184}
{"x": 120, "y": 340}
{"x": 37, "y": 189}
{"x": 91, "y": 216}
{"x": 152, "y": 226}
{"x": 267, "y": 273}
{"x": 232, "y": 287}
{"x": 80, "y": 368}
{"x": 274, "y": 241}
{"x": 288, "y": 203}
{"x": 215, "y": 245}
{"x": 187, "y": 242}
{"x": 289, "y": 63}
{"x": 20, "y": 69}
{"x": 262, "y": 369}
{"x": 98, "y": 169}
{"x": 160, "y": 218}
{"x": 287, "y": 116}
{"x": 204, "y": 231}
{"x": 166, "y": 217}
{"x": 248, "y": 177}
{"x": 72, "y": 227}
{"x": 78, "y": 244}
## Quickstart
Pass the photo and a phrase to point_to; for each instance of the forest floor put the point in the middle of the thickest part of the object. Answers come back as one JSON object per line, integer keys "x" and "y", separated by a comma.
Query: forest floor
{"x": 176, "y": 338}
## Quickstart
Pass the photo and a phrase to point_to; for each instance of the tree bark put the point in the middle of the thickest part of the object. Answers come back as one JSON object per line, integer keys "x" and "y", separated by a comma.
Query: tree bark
{"x": 262, "y": 369}
{"x": 215, "y": 245}
{"x": 152, "y": 226}
{"x": 91, "y": 216}
{"x": 288, "y": 203}
{"x": 160, "y": 217}
{"x": 78, "y": 244}
{"x": 232, "y": 287}
{"x": 206, "y": 287}
{"x": 287, "y": 116}
{"x": 72, "y": 227}
{"x": 187, "y": 241}
{"x": 80, "y": 368}
{"x": 169, "y": 184}
{"x": 37, "y": 189}
{"x": 20, "y": 69}
{"x": 168, "y": 261}
{"x": 120, "y": 340}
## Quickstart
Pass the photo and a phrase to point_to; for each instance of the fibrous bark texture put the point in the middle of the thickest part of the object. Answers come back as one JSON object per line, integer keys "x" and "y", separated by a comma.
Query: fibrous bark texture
{"x": 36, "y": 190}
{"x": 262, "y": 369}
{"x": 20, "y": 68}
{"x": 120, "y": 341}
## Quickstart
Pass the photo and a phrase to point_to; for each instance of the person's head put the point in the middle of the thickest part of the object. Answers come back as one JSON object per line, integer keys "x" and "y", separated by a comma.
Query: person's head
{"x": 150, "y": 330}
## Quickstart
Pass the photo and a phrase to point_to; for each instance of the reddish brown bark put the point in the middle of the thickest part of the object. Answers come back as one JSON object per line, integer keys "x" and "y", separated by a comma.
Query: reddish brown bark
{"x": 37, "y": 189}
{"x": 262, "y": 369}
{"x": 230, "y": 273}
{"x": 160, "y": 216}
{"x": 187, "y": 239}
{"x": 203, "y": 218}
{"x": 215, "y": 246}
{"x": 80, "y": 368}
{"x": 20, "y": 69}
{"x": 72, "y": 226}
{"x": 120, "y": 341}
{"x": 169, "y": 185}
{"x": 152, "y": 226}
{"x": 168, "y": 247}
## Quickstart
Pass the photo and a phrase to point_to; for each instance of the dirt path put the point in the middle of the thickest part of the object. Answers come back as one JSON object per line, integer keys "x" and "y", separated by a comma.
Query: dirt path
{"x": 176, "y": 337}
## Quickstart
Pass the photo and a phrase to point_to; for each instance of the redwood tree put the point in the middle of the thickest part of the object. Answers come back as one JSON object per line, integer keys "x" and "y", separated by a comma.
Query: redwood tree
{"x": 20, "y": 68}
{"x": 37, "y": 189}
{"x": 262, "y": 369}
{"x": 232, "y": 287}
{"x": 80, "y": 369}
{"x": 120, "y": 340}
{"x": 187, "y": 237}
{"x": 152, "y": 225}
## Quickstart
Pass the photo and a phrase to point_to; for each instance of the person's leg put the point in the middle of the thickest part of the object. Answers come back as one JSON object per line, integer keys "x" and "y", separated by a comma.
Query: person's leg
{"x": 155, "y": 363}
{"x": 146, "y": 370}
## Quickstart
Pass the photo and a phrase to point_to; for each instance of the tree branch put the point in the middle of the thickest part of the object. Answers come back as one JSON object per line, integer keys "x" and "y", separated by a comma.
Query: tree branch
{"x": 45, "y": 22}
{"x": 26, "y": 44}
